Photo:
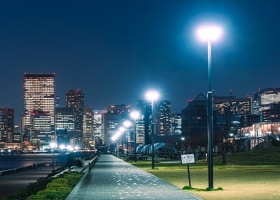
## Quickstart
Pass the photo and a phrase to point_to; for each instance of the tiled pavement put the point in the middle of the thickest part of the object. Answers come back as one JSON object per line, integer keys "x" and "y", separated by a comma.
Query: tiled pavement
{"x": 112, "y": 179}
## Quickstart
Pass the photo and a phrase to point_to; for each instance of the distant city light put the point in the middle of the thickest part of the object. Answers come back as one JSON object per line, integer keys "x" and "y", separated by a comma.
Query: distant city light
{"x": 52, "y": 145}
{"x": 135, "y": 115}
{"x": 127, "y": 123}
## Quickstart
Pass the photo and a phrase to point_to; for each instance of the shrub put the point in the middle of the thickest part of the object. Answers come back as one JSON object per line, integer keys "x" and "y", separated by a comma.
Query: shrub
{"x": 58, "y": 188}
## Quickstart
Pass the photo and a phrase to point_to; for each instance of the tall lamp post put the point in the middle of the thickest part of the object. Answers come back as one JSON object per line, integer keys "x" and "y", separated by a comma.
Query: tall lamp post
{"x": 126, "y": 125}
{"x": 120, "y": 131}
{"x": 152, "y": 96}
{"x": 135, "y": 116}
{"x": 209, "y": 34}
{"x": 52, "y": 146}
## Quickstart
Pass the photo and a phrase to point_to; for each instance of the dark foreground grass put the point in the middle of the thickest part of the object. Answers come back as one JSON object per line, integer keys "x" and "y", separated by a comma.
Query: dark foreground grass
{"x": 246, "y": 175}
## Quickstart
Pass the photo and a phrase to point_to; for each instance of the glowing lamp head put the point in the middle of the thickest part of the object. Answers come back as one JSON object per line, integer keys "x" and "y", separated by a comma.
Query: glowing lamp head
{"x": 152, "y": 95}
{"x": 209, "y": 33}
{"x": 127, "y": 123}
{"x": 135, "y": 115}
{"x": 52, "y": 145}
{"x": 122, "y": 129}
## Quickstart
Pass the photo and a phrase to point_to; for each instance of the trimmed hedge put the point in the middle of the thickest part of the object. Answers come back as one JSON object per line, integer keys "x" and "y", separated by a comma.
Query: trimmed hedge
{"x": 58, "y": 188}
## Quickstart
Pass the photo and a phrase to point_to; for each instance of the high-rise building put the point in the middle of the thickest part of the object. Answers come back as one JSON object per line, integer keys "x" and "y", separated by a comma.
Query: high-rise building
{"x": 144, "y": 124}
{"x": 64, "y": 124}
{"x": 167, "y": 128}
{"x": 272, "y": 114}
{"x": 163, "y": 118}
{"x": 6, "y": 124}
{"x": 41, "y": 129}
{"x": 88, "y": 133}
{"x": 75, "y": 99}
{"x": 98, "y": 126}
{"x": 176, "y": 124}
{"x": 39, "y": 94}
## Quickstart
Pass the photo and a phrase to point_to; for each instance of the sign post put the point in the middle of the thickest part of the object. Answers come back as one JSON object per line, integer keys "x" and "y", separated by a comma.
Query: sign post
{"x": 188, "y": 159}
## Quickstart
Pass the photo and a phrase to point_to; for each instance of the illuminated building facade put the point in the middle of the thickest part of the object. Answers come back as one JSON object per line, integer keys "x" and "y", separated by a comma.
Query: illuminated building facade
{"x": 163, "y": 118}
{"x": 162, "y": 111}
{"x": 64, "y": 121}
{"x": 229, "y": 109}
{"x": 38, "y": 94}
{"x": 144, "y": 124}
{"x": 75, "y": 100}
{"x": 41, "y": 129}
{"x": 263, "y": 98}
{"x": 88, "y": 133}
{"x": 227, "y": 114}
{"x": 6, "y": 124}
{"x": 176, "y": 124}
{"x": 98, "y": 126}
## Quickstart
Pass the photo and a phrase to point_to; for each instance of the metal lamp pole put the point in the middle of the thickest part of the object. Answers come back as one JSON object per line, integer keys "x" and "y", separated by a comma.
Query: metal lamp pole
{"x": 135, "y": 116}
{"x": 152, "y": 96}
{"x": 53, "y": 160}
{"x": 53, "y": 146}
{"x": 153, "y": 137}
{"x": 126, "y": 125}
{"x": 210, "y": 121}
{"x": 209, "y": 33}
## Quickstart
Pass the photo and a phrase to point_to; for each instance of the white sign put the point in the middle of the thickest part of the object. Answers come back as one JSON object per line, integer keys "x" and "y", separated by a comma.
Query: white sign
{"x": 187, "y": 158}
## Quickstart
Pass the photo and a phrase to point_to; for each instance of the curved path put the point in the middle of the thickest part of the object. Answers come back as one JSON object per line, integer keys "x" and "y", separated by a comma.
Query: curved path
{"x": 112, "y": 178}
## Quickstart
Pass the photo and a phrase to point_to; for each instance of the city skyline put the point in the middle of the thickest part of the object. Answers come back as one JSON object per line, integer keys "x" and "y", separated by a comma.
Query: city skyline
{"x": 114, "y": 51}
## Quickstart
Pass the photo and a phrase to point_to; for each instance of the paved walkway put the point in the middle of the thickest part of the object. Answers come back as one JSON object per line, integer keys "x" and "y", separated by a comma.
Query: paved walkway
{"x": 112, "y": 179}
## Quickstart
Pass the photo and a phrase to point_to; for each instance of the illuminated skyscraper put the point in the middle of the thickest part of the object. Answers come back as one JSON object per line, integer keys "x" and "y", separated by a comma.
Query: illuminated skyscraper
{"x": 38, "y": 94}
{"x": 41, "y": 129}
{"x": 163, "y": 121}
{"x": 144, "y": 124}
{"x": 6, "y": 124}
{"x": 75, "y": 100}
{"x": 98, "y": 126}
{"x": 64, "y": 124}
{"x": 88, "y": 131}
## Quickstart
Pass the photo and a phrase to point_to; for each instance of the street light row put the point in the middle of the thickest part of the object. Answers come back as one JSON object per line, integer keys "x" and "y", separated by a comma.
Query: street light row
{"x": 151, "y": 95}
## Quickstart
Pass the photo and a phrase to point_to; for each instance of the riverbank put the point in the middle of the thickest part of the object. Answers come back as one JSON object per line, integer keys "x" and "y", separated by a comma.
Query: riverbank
{"x": 15, "y": 182}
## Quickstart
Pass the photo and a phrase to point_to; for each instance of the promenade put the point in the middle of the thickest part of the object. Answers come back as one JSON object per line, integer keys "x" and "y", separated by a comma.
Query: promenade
{"x": 112, "y": 179}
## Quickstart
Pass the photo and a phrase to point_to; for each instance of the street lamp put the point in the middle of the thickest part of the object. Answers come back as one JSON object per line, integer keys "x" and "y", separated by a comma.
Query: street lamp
{"x": 52, "y": 146}
{"x": 209, "y": 33}
{"x": 121, "y": 130}
{"x": 116, "y": 136}
{"x": 135, "y": 116}
{"x": 126, "y": 125}
{"x": 182, "y": 145}
{"x": 152, "y": 96}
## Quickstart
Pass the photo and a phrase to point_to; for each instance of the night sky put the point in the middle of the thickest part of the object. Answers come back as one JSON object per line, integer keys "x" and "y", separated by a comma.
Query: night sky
{"x": 115, "y": 50}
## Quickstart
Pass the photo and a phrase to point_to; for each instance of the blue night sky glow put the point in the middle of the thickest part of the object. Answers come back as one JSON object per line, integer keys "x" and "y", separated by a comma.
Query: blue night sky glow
{"x": 115, "y": 50}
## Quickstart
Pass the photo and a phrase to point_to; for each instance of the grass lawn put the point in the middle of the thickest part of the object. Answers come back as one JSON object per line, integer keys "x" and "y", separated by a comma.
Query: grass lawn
{"x": 246, "y": 175}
